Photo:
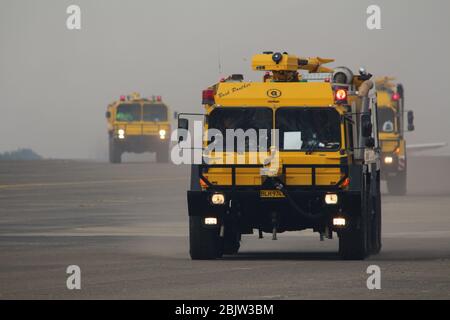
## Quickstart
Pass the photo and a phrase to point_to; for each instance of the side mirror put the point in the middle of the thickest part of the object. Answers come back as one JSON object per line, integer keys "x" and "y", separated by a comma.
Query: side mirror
{"x": 183, "y": 125}
{"x": 175, "y": 114}
{"x": 410, "y": 121}
{"x": 370, "y": 142}
{"x": 366, "y": 126}
{"x": 108, "y": 114}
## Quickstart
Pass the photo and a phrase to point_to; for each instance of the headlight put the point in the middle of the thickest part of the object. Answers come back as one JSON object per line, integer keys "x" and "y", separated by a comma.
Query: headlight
{"x": 331, "y": 198}
{"x": 218, "y": 198}
{"x": 339, "y": 222}
{"x": 211, "y": 221}
{"x": 162, "y": 133}
{"x": 121, "y": 133}
{"x": 388, "y": 160}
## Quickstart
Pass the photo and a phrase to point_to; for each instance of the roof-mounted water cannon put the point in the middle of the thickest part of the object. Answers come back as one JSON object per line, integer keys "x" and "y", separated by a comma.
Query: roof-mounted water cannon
{"x": 315, "y": 64}
{"x": 277, "y": 61}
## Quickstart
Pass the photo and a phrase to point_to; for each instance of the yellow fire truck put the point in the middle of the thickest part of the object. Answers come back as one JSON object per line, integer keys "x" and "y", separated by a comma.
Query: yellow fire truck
{"x": 391, "y": 125}
{"x": 138, "y": 125}
{"x": 320, "y": 170}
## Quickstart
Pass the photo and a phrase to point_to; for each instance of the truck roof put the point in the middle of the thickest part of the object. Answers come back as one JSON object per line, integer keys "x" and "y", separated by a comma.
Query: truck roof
{"x": 274, "y": 93}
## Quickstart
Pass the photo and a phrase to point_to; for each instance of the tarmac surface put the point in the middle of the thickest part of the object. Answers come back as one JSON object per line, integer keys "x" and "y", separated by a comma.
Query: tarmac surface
{"x": 126, "y": 227}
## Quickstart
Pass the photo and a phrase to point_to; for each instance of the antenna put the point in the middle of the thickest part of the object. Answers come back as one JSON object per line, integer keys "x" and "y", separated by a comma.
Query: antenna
{"x": 219, "y": 59}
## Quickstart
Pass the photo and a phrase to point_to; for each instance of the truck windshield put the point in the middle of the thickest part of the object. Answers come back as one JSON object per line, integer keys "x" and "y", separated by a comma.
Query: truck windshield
{"x": 249, "y": 120}
{"x": 386, "y": 119}
{"x": 128, "y": 112}
{"x": 308, "y": 129}
{"x": 155, "y": 112}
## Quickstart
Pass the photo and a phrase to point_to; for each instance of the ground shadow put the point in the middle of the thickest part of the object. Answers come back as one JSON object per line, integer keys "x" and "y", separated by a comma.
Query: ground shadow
{"x": 298, "y": 256}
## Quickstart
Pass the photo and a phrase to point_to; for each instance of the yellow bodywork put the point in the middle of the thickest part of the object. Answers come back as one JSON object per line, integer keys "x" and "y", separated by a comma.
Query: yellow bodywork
{"x": 391, "y": 142}
{"x": 275, "y": 95}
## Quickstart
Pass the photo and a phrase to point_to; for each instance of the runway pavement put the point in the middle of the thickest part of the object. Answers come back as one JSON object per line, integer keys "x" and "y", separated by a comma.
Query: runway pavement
{"x": 125, "y": 226}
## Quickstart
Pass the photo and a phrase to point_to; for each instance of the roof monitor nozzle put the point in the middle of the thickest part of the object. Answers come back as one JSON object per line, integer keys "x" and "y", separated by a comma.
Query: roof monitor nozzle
{"x": 363, "y": 74}
{"x": 277, "y": 57}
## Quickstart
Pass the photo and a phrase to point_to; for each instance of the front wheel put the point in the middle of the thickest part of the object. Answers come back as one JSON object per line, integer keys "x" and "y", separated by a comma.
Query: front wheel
{"x": 204, "y": 241}
{"x": 397, "y": 185}
{"x": 231, "y": 241}
{"x": 115, "y": 154}
{"x": 162, "y": 154}
{"x": 354, "y": 243}
{"x": 376, "y": 221}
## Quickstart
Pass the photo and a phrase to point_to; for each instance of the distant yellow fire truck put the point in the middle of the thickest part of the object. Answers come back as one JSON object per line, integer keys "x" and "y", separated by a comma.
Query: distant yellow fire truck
{"x": 138, "y": 125}
{"x": 320, "y": 171}
{"x": 391, "y": 125}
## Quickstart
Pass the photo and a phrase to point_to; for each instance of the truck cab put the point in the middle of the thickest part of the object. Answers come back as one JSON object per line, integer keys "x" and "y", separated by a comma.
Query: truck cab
{"x": 303, "y": 154}
{"x": 138, "y": 125}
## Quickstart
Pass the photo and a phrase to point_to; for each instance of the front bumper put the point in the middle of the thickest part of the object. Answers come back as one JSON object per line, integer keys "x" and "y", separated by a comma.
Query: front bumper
{"x": 141, "y": 143}
{"x": 249, "y": 210}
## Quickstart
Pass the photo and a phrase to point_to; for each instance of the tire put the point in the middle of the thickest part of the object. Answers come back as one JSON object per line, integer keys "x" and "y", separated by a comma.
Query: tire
{"x": 204, "y": 242}
{"x": 397, "y": 185}
{"x": 376, "y": 222}
{"x": 354, "y": 243}
{"x": 231, "y": 241}
{"x": 162, "y": 154}
{"x": 115, "y": 154}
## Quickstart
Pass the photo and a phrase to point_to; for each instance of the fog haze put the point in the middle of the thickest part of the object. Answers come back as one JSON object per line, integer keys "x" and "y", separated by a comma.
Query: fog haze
{"x": 55, "y": 83}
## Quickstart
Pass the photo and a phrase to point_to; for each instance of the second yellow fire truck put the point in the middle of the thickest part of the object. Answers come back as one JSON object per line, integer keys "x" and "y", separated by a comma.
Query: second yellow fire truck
{"x": 392, "y": 127}
{"x": 138, "y": 125}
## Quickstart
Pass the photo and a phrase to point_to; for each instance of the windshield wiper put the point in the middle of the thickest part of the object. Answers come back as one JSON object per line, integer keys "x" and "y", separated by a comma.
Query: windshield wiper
{"x": 312, "y": 146}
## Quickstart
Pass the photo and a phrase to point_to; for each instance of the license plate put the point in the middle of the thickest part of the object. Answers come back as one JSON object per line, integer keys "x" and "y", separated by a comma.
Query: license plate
{"x": 271, "y": 194}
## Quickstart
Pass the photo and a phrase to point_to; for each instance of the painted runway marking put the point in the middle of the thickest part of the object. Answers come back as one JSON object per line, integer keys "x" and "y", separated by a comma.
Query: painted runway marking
{"x": 81, "y": 183}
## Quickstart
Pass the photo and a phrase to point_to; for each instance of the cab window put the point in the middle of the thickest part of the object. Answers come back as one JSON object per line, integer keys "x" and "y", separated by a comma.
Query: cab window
{"x": 257, "y": 120}
{"x": 128, "y": 112}
{"x": 155, "y": 112}
{"x": 308, "y": 129}
{"x": 386, "y": 119}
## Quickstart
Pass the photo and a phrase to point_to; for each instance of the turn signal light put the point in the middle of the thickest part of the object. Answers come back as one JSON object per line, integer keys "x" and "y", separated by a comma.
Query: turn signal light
{"x": 345, "y": 183}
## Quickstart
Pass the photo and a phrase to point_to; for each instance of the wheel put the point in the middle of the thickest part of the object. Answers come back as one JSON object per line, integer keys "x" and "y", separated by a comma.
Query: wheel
{"x": 376, "y": 221}
{"x": 162, "y": 154}
{"x": 204, "y": 242}
{"x": 354, "y": 243}
{"x": 397, "y": 185}
{"x": 115, "y": 154}
{"x": 231, "y": 241}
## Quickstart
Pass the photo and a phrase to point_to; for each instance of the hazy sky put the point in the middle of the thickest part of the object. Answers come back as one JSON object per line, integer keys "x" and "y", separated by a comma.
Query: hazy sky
{"x": 55, "y": 83}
